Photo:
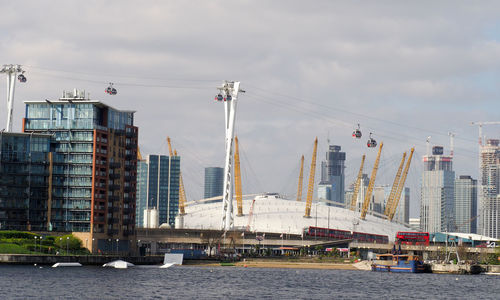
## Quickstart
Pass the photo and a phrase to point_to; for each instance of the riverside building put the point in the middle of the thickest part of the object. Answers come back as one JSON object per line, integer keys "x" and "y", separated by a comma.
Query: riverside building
{"x": 25, "y": 161}
{"x": 92, "y": 190}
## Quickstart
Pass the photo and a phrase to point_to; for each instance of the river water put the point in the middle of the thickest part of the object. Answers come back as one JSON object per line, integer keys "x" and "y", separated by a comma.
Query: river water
{"x": 188, "y": 282}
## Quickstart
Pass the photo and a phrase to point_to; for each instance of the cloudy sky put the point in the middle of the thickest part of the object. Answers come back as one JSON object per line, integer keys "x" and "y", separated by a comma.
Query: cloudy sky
{"x": 317, "y": 68}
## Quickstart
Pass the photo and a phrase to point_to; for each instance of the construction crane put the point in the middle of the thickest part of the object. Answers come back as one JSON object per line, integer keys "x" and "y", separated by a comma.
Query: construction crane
{"x": 182, "y": 192}
{"x": 237, "y": 178}
{"x": 368, "y": 196}
{"x": 310, "y": 187}
{"x": 395, "y": 185}
{"x": 250, "y": 215}
{"x": 301, "y": 177}
{"x": 395, "y": 203}
{"x": 357, "y": 185}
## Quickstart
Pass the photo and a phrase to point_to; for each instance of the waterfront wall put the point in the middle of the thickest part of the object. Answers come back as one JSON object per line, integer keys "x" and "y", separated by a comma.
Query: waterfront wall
{"x": 83, "y": 259}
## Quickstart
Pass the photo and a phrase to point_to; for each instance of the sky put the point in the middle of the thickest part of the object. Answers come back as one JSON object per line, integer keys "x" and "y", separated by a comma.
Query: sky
{"x": 402, "y": 70}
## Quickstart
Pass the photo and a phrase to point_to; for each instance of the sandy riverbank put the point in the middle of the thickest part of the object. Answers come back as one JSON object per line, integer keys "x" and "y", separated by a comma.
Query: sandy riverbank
{"x": 284, "y": 264}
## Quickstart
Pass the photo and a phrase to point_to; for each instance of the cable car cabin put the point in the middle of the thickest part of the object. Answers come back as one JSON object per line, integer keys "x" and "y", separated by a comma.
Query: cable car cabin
{"x": 228, "y": 98}
{"x": 357, "y": 133}
{"x": 219, "y": 97}
{"x": 371, "y": 143}
{"x": 21, "y": 78}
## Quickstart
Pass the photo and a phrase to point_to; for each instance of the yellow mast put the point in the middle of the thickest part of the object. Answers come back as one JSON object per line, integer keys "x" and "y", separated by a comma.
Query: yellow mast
{"x": 139, "y": 156}
{"x": 394, "y": 188}
{"x": 310, "y": 187}
{"x": 357, "y": 185}
{"x": 301, "y": 177}
{"x": 182, "y": 193}
{"x": 237, "y": 178}
{"x": 400, "y": 188}
{"x": 368, "y": 196}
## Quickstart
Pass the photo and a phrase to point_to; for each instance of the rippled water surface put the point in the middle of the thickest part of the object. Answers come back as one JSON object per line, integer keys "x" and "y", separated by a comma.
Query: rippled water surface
{"x": 29, "y": 282}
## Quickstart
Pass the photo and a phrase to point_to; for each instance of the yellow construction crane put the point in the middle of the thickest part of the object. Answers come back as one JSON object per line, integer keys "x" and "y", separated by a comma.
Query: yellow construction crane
{"x": 301, "y": 177}
{"x": 237, "y": 178}
{"x": 395, "y": 185}
{"x": 310, "y": 187}
{"x": 357, "y": 185}
{"x": 182, "y": 193}
{"x": 395, "y": 203}
{"x": 368, "y": 196}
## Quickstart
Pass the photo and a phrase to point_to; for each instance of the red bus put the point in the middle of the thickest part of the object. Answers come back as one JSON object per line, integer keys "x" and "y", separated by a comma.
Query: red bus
{"x": 412, "y": 238}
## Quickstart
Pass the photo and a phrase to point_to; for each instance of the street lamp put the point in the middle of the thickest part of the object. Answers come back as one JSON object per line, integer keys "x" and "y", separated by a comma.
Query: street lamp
{"x": 93, "y": 239}
{"x": 117, "y": 246}
{"x": 67, "y": 244}
{"x": 35, "y": 242}
{"x": 60, "y": 243}
{"x": 41, "y": 244}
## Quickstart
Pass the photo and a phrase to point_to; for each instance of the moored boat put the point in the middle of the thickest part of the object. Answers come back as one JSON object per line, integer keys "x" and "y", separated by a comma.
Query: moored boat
{"x": 398, "y": 263}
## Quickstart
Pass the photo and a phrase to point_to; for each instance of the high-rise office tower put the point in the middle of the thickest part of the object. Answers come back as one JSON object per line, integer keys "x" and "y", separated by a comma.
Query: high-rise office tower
{"x": 94, "y": 168}
{"x": 489, "y": 202}
{"x": 465, "y": 204}
{"x": 437, "y": 194}
{"x": 25, "y": 161}
{"x": 331, "y": 186}
{"x": 214, "y": 182}
{"x": 158, "y": 190}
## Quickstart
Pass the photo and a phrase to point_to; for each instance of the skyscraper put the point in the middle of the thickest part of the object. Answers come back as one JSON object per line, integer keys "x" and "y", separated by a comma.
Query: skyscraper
{"x": 489, "y": 203}
{"x": 158, "y": 190}
{"x": 214, "y": 181}
{"x": 331, "y": 186}
{"x": 465, "y": 204}
{"x": 437, "y": 194}
{"x": 94, "y": 169}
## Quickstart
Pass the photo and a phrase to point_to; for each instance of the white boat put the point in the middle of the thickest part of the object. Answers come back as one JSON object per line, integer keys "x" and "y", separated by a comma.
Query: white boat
{"x": 118, "y": 264}
{"x": 164, "y": 266}
{"x": 66, "y": 264}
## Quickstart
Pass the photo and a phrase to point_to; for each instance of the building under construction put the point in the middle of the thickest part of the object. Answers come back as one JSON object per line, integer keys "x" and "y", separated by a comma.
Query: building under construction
{"x": 490, "y": 199}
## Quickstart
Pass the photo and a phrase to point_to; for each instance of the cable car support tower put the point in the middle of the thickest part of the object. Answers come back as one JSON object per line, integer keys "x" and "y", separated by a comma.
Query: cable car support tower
{"x": 11, "y": 71}
{"x": 228, "y": 93}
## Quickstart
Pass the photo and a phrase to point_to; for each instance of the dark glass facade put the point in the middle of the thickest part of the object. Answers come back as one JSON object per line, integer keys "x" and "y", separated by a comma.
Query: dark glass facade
{"x": 158, "y": 188}
{"x": 24, "y": 181}
{"x": 214, "y": 182}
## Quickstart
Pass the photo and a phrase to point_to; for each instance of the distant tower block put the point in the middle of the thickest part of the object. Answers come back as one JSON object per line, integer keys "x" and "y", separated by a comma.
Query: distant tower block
{"x": 228, "y": 93}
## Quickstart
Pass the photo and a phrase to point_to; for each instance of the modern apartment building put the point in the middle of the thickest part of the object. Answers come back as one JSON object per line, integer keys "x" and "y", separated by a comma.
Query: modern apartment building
{"x": 465, "y": 204}
{"x": 94, "y": 168}
{"x": 25, "y": 163}
{"x": 437, "y": 194}
{"x": 158, "y": 190}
